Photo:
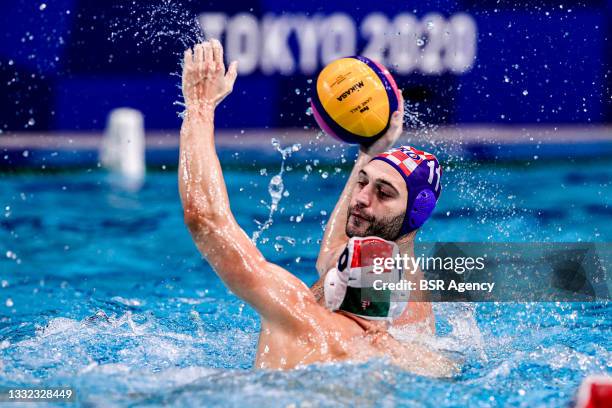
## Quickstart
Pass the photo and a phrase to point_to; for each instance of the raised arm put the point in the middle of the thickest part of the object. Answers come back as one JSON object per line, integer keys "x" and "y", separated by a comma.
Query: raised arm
{"x": 334, "y": 238}
{"x": 201, "y": 186}
{"x": 271, "y": 290}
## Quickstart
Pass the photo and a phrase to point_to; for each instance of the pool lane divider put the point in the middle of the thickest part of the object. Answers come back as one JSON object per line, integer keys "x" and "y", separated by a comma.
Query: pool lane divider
{"x": 65, "y": 151}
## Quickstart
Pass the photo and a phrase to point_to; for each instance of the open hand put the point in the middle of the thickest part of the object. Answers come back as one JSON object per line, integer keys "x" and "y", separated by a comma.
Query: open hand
{"x": 386, "y": 141}
{"x": 205, "y": 82}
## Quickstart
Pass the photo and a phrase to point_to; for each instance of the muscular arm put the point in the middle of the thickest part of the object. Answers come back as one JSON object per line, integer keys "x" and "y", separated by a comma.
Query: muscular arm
{"x": 334, "y": 238}
{"x": 271, "y": 290}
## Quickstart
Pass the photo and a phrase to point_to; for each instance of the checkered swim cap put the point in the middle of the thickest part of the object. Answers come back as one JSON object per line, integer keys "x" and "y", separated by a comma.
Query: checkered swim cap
{"x": 421, "y": 172}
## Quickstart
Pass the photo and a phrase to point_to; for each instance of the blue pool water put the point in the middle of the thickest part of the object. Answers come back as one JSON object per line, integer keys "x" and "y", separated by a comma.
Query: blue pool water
{"x": 103, "y": 290}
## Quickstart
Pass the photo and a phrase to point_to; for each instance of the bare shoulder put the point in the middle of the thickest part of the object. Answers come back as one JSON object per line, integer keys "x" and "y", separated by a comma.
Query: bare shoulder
{"x": 318, "y": 336}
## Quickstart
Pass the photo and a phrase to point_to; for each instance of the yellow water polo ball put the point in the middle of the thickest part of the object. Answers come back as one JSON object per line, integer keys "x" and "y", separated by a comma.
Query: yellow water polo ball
{"x": 354, "y": 99}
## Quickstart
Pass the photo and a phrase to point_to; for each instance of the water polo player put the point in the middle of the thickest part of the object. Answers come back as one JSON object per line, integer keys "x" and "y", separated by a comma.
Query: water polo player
{"x": 378, "y": 200}
{"x": 389, "y": 195}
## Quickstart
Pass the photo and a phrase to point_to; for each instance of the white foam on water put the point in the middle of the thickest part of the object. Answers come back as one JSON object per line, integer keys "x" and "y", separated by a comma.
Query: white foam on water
{"x": 127, "y": 359}
{"x": 68, "y": 348}
{"x": 133, "y": 302}
{"x": 465, "y": 340}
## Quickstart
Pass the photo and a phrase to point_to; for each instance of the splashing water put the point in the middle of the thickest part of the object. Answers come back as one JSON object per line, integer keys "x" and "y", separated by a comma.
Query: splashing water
{"x": 276, "y": 188}
{"x": 485, "y": 195}
{"x": 102, "y": 355}
{"x": 163, "y": 23}
{"x": 156, "y": 22}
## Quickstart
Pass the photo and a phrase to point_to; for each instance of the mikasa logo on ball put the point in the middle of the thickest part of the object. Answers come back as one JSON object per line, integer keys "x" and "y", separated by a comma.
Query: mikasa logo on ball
{"x": 350, "y": 90}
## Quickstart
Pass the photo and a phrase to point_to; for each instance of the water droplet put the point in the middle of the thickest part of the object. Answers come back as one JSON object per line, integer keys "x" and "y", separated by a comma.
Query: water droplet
{"x": 11, "y": 62}
{"x": 525, "y": 92}
{"x": 25, "y": 153}
{"x": 9, "y": 302}
{"x": 42, "y": 7}
{"x": 31, "y": 122}
{"x": 309, "y": 111}
{"x": 420, "y": 42}
{"x": 309, "y": 81}
{"x": 289, "y": 240}
{"x": 325, "y": 175}
{"x": 276, "y": 187}
{"x": 297, "y": 91}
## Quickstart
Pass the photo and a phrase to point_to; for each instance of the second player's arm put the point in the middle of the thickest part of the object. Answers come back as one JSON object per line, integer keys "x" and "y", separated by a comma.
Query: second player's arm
{"x": 334, "y": 237}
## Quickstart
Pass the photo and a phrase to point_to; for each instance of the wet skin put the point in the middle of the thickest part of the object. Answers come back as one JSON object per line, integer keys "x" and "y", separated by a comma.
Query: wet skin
{"x": 295, "y": 329}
